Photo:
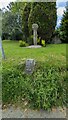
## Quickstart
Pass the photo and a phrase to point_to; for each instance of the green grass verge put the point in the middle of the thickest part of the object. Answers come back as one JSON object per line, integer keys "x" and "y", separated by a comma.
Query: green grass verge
{"x": 46, "y": 87}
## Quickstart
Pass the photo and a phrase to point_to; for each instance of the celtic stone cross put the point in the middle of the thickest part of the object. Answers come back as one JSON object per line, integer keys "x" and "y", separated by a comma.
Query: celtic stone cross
{"x": 35, "y": 27}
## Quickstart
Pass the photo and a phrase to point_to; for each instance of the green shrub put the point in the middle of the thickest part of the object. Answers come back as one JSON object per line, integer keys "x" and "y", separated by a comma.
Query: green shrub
{"x": 22, "y": 43}
{"x": 45, "y": 88}
{"x": 30, "y": 40}
{"x": 43, "y": 43}
{"x": 38, "y": 40}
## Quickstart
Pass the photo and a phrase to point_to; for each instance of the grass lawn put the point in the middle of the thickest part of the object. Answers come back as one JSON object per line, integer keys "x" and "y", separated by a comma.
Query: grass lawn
{"x": 55, "y": 51}
{"x": 46, "y": 87}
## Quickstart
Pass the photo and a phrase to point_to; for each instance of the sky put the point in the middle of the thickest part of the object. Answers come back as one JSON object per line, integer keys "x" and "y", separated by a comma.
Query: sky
{"x": 60, "y": 4}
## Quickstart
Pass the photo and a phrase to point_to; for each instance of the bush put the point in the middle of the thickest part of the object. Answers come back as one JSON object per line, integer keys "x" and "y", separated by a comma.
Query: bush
{"x": 38, "y": 40}
{"x": 43, "y": 43}
{"x": 22, "y": 43}
{"x": 45, "y": 88}
{"x": 30, "y": 40}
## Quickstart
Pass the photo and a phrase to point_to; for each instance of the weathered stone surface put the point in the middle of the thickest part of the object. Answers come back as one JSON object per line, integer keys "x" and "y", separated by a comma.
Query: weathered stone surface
{"x": 34, "y": 46}
{"x": 56, "y": 40}
{"x": 30, "y": 63}
{"x": 35, "y": 27}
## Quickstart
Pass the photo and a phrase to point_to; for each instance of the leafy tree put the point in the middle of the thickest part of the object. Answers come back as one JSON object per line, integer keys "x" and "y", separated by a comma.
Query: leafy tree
{"x": 25, "y": 17}
{"x": 16, "y": 7}
{"x": 64, "y": 26}
{"x": 11, "y": 26}
{"x": 44, "y": 14}
{"x": 12, "y": 22}
{"x": 18, "y": 20}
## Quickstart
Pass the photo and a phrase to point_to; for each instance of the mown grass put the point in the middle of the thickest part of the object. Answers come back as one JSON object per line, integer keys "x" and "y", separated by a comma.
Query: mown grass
{"x": 51, "y": 54}
{"x": 12, "y": 50}
{"x": 46, "y": 87}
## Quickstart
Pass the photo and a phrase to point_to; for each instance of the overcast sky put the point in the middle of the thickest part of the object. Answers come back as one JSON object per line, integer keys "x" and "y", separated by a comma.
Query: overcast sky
{"x": 60, "y": 7}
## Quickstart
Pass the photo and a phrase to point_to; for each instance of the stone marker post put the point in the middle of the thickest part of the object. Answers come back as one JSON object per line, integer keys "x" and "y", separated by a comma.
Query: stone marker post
{"x": 35, "y": 27}
{"x": 30, "y": 63}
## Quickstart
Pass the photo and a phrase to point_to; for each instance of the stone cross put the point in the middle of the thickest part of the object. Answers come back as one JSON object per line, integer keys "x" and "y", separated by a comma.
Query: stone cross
{"x": 35, "y": 27}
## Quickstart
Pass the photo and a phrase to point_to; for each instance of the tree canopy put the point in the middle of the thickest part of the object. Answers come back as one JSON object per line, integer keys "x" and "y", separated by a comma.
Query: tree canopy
{"x": 12, "y": 21}
{"x": 64, "y": 26}
{"x": 18, "y": 20}
{"x": 44, "y": 14}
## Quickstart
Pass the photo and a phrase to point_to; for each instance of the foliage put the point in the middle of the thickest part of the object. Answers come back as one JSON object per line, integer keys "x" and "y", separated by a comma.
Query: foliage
{"x": 38, "y": 40}
{"x": 43, "y": 43}
{"x": 16, "y": 7}
{"x": 55, "y": 53}
{"x": 25, "y": 17}
{"x": 44, "y": 14}
{"x": 22, "y": 43}
{"x": 12, "y": 26}
{"x": 64, "y": 26}
{"x": 45, "y": 88}
{"x": 12, "y": 21}
{"x": 18, "y": 20}
{"x": 30, "y": 40}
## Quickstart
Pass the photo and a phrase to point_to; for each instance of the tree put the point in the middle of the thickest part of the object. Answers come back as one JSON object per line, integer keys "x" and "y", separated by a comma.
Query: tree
{"x": 25, "y": 17}
{"x": 11, "y": 26}
{"x": 12, "y": 22}
{"x": 21, "y": 16}
{"x": 64, "y": 26}
{"x": 44, "y": 14}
